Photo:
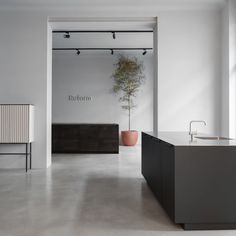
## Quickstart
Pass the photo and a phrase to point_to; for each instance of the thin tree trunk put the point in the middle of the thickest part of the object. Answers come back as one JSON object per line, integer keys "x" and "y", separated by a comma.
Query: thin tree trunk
{"x": 129, "y": 112}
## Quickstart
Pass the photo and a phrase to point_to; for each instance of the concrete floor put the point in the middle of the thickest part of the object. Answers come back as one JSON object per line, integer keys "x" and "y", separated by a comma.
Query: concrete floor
{"x": 84, "y": 195}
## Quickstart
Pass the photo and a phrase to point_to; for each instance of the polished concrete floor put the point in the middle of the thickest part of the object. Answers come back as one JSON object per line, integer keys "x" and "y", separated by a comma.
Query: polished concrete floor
{"x": 84, "y": 195}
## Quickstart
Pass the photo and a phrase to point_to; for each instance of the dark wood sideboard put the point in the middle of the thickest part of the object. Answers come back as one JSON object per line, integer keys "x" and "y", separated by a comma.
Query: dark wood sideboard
{"x": 85, "y": 138}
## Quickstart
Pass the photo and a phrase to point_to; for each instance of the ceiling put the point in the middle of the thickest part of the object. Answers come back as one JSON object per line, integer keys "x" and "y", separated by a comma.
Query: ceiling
{"x": 99, "y": 23}
{"x": 160, "y": 4}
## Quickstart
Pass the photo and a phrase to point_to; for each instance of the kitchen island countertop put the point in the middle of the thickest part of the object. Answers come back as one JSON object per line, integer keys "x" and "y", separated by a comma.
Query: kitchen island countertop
{"x": 183, "y": 139}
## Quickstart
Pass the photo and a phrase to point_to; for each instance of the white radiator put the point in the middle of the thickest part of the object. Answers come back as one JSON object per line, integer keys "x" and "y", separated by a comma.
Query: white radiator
{"x": 16, "y": 123}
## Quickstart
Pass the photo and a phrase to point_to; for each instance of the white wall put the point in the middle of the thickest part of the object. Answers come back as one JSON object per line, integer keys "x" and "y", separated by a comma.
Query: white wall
{"x": 228, "y": 91}
{"x": 49, "y": 96}
{"x": 189, "y": 62}
{"x": 23, "y": 67}
{"x": 232, "y": 69}
{"x": 89, "y": 74}
{"x": 189, "y": 70}
{"x": 225, "y": 72}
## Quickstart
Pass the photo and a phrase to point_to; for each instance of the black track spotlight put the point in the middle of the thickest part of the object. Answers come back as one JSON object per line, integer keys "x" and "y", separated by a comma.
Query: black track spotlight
{"x": 78, "y": 51}
{"x": 144, "y": 51}
{"x": 67, "y": 35}
{"x": 112, "y": 51}
{"x": 113, "y": 35}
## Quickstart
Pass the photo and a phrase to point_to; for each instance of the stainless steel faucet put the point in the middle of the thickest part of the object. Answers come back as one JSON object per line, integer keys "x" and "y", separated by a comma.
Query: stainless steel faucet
{"x": 192, "y": 133}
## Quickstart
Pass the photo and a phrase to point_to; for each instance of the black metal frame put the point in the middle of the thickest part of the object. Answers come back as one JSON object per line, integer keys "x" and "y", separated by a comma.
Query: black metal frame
{"x": 28, "y": 153}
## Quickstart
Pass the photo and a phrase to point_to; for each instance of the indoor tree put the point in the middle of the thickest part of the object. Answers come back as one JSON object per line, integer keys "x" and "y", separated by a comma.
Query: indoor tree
{"x": 128, "y": 78}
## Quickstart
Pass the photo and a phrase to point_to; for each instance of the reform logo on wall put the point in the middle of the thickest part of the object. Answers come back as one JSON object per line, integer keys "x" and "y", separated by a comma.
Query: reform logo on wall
{"x": 78, "y": 98}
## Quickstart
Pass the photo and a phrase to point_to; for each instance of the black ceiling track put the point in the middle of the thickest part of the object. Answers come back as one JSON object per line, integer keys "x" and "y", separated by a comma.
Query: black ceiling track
{"x": 61, "y": 49}
{"x": 102, "y": 31}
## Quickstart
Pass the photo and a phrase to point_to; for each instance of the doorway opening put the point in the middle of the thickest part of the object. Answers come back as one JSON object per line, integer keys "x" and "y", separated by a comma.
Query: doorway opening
{"x": 84, "y": 52}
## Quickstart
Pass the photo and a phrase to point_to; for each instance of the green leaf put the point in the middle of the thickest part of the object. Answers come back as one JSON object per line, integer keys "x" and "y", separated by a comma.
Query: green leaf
{"x": 128, "y": 77}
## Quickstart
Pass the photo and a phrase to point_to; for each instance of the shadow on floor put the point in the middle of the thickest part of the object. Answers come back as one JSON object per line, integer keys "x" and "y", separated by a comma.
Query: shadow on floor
{"x": 122, "y": 203}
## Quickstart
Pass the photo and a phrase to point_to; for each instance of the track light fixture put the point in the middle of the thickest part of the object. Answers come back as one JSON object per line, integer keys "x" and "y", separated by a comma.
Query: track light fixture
{"x": 144, "y": 51}
{"x": 112, "y": 50}
{"x": 114, "y": 35}
{"x": 67, "y": 35}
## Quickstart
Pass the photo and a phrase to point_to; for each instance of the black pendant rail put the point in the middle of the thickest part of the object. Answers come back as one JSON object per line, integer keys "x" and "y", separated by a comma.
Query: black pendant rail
{"x": 102, "y": 31}
{"x": 111, "y": 50}
{"x": 104, "y": 49}
{"x": 113, "y": 32}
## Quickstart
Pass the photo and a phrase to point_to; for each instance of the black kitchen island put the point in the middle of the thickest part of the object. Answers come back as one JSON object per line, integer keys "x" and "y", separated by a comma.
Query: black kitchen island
{"x": 195, "y": 182}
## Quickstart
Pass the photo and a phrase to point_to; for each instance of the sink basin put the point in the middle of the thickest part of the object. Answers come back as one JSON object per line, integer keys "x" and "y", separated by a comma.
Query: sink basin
{"x": 212, "y": 138}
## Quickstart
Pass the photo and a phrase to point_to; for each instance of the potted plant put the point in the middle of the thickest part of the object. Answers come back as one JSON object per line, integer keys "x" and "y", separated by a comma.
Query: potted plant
{"x": 128, "y": 77}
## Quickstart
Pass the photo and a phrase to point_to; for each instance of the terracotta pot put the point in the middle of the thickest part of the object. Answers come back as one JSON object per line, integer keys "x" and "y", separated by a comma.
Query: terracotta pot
{"x": 129, "y": 137}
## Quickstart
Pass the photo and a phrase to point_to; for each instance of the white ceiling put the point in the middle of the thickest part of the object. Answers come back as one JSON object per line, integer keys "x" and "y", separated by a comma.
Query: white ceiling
{"x": 160, "y": 4}
{"x": 106, "y": 23}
